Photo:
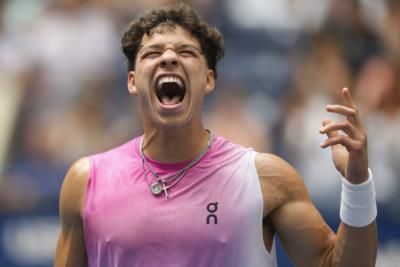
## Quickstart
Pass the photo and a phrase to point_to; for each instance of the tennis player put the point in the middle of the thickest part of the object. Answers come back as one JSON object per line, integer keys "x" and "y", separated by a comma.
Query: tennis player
{"x": 181, "y": 196}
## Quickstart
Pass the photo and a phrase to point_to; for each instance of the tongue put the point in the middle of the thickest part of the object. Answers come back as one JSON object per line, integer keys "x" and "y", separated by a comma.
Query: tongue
{"x": 170, "y": 101}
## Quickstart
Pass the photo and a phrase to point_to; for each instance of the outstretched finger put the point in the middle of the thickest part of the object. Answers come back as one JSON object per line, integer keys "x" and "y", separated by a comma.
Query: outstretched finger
{"x": 342, "y": 110}
{"x": 348, "y": 100}
{"x": 350, "y": 113}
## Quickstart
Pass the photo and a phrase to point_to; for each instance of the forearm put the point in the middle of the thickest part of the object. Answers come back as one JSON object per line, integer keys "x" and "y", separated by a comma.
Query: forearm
{"x": 356, "y": 242}
{"x": 355, "y": 246}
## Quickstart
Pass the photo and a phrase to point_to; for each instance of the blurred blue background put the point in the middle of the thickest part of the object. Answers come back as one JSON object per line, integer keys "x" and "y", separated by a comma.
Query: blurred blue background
{"x": 63, "y": 96}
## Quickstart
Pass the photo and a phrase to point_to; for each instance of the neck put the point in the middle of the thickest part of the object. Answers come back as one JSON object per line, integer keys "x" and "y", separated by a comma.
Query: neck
{"x": 175, "y": 145}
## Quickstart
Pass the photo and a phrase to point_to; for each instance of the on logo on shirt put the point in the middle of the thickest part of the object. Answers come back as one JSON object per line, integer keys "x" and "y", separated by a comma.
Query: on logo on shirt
{"x": 212, "y": 208}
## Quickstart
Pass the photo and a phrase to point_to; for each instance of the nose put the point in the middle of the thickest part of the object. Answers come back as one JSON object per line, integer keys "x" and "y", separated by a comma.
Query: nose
{"x": 169, "y": 59}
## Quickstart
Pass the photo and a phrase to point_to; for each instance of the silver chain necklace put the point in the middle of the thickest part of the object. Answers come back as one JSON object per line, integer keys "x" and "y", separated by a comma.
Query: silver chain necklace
{"x": 161, "y": 183}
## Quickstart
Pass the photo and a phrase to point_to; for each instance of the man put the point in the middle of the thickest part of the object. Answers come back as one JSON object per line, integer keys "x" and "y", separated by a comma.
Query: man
{"x": 180, "y": 196}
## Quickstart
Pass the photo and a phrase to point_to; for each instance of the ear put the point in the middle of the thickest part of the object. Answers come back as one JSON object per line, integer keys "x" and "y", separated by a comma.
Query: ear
{"x": 210, "y": 82}
{"x": 132, "y": 83}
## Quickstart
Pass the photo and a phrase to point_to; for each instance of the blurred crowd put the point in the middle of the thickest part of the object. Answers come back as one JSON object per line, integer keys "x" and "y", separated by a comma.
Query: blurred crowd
{"x": 63, "y": 88}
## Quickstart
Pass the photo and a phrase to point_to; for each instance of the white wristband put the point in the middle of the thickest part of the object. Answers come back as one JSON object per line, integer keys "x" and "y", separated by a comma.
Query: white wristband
{"x": 358, "y": 204}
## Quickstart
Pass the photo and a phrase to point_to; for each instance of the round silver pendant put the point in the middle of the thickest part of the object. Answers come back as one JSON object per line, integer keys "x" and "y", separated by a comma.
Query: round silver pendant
{"x": 156, "y": 188}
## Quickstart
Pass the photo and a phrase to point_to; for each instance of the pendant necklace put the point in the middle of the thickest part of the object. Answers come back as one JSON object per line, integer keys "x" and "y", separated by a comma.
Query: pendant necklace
{"x": 164, "y": 183}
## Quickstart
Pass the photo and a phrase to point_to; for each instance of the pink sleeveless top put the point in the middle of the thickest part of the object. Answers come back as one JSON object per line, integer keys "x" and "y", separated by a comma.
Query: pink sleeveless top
{"x": 212, "y": 218}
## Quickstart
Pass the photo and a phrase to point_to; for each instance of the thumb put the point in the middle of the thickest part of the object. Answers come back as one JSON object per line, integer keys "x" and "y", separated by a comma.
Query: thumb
{"x": 330, "y": 134}
{"x": 338, "y": 151}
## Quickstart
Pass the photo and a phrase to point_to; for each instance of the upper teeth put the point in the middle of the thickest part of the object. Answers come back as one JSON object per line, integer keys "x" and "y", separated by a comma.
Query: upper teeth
{"x": 169, "y": 79}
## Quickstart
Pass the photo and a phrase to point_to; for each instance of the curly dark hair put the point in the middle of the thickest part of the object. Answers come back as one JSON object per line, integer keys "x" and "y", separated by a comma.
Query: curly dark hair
{"x": 210, "y": 39}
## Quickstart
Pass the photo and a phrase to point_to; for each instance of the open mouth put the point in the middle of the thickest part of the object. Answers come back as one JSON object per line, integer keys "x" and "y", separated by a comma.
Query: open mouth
{"x": 170, "y": 90}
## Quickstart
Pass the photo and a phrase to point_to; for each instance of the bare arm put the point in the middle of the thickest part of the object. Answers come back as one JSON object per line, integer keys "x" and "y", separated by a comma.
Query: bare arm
{"x": 307, "y": 239}
{"x": 304, "y": 234}
{"x": 71, "y": 250}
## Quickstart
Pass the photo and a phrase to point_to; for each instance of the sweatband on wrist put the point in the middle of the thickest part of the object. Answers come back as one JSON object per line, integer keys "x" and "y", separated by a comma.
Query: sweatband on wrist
{"x": 358, "y": 204}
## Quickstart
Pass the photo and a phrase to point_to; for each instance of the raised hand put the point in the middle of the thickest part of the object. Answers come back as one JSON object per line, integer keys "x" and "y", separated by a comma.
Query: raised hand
{"x": 347, "y": 139}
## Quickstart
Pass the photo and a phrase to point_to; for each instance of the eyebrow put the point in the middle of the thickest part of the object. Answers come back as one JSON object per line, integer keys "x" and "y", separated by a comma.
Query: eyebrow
{"x": 154, "y": 46}
{"x": 185, "y": 46}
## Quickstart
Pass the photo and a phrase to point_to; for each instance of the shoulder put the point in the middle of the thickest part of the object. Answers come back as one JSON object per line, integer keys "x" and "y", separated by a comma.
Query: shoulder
{"x": 272, "y": 165}
{"x": 117, "y": 154}
{"x": 280, "y": 182}
{"x": 73, "y": 189}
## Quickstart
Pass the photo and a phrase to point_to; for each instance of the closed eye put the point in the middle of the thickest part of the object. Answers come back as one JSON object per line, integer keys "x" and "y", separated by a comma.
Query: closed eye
{"x": 187, "y": 53}
{"x": 152, "y": 54}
